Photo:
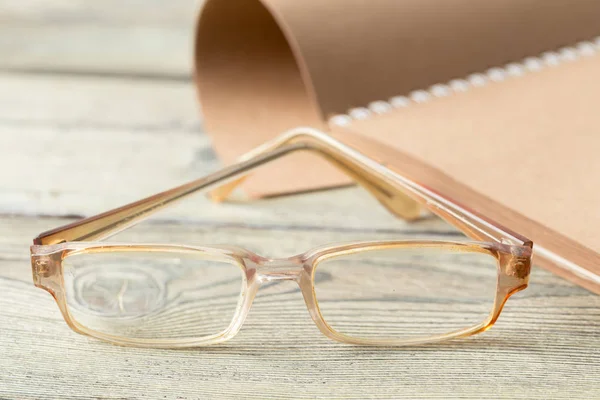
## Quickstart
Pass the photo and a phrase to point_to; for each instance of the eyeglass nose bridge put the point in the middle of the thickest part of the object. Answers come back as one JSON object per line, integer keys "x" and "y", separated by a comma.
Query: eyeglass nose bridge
{"x": 283, "y": 269}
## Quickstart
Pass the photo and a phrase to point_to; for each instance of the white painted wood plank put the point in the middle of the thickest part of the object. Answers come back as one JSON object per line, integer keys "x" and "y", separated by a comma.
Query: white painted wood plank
{"x": 72, "y": 102}
{"x": 545, "y": 344}
{"x": 81, "y": 146}
{"x": 123, "y": 37}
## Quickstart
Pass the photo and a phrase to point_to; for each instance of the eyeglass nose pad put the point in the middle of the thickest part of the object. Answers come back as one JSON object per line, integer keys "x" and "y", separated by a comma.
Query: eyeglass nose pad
{"x": 286, "y": 269}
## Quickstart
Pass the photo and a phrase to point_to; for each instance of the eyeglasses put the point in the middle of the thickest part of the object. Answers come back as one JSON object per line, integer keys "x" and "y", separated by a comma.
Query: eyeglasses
{"x": 387, "y": 293}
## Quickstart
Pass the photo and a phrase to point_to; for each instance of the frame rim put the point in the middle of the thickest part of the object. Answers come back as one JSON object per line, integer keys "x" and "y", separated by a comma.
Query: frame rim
{"x": 257, "y": 270}
{"x": 402, "y": 196}
{"x": 65, "y": 250}
{"x": 504, "y": 288}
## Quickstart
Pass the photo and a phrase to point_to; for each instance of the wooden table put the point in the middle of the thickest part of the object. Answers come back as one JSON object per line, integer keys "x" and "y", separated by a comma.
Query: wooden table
{"x": 96, "y": 110}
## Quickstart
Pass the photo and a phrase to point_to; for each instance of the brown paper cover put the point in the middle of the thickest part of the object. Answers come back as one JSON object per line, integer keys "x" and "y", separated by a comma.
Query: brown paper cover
{"x": 527, "y": 147}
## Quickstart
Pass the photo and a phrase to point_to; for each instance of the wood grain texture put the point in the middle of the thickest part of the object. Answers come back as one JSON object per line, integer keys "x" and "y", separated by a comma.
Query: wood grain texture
{"x": 77, "y": 145}
{"x": 112, "y": 37}
{"x": 544, "y": 346}
{"x": 136, "y": 138}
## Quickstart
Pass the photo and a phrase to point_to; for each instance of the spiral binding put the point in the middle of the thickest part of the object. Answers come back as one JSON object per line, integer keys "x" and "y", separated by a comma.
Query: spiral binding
{"x": 497, "y": 74}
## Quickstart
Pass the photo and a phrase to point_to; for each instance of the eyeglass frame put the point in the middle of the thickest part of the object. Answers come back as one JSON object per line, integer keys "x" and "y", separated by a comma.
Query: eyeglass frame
{"x": 401, "y": 196}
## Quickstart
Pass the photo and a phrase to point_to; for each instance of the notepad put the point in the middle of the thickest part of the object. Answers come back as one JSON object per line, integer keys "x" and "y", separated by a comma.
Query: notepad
{"x": 502, "y": 97}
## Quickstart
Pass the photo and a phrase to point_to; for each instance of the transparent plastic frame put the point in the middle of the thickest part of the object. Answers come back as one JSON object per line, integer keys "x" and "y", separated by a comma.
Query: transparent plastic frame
{"x": 401, "y": 196}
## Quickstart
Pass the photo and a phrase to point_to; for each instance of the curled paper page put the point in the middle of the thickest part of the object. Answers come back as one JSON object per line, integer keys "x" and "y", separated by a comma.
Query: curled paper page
{"x": 266, "y": 66}
{"x": 526, "y": 147}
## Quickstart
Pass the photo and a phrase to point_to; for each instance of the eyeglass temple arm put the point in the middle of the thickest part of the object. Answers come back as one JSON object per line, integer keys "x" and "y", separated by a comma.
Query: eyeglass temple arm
{"x": 401, "y": 196}
{"x": 389, "y": 194}
{"x": 397, "y": 195}
{"x": 111, "y": 222}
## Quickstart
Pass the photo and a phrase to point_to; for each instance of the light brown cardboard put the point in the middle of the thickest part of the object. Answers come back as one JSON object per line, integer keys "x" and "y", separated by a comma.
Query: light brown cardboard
{"x": 527, "y": 147}
{"x": 266, "y": 66}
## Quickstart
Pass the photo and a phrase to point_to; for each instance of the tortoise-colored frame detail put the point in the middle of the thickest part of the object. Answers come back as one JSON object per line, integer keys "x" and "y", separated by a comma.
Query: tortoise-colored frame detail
{"x": 401, "y": 196}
